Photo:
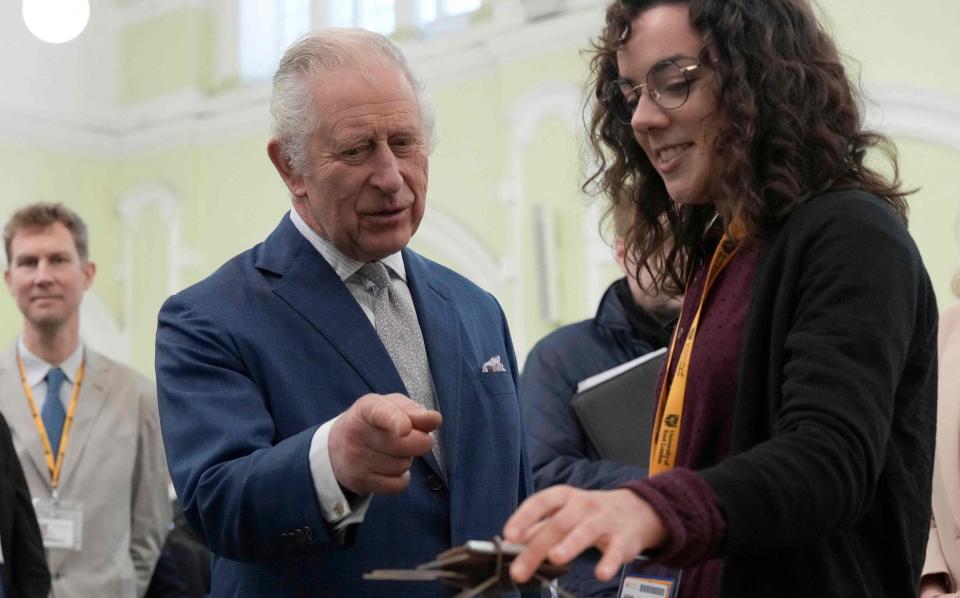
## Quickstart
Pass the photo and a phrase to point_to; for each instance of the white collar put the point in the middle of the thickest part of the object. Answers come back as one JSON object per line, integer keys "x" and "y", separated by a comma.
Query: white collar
{"x": 344, "y": 265}
{"x": 37, "y": 368}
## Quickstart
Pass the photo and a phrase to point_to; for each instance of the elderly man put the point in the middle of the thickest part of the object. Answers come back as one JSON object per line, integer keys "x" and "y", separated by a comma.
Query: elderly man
{"x": 85, "y": 428}
{"x": 302, "y": 384}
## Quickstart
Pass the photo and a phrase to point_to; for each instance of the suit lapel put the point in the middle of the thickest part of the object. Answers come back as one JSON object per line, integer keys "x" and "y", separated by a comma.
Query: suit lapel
{"x": 312, "y": 288}
{"x": 440, "y": 326}
{"x": 92, "y": 398}
{"x": 15, "y": 409}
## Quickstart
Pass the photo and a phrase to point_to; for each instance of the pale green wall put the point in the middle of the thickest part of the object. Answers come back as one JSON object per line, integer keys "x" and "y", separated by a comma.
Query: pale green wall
{"x": 933, "y": 209}
{"x": 232, "y": 198}
{"x": 170, "y": 53}
{"x": 912, "y": 43}
{"x": 81, "y": 182}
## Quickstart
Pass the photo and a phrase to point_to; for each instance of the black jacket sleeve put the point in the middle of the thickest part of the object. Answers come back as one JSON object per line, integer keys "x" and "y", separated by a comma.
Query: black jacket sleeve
{"x": 25, "y": 563}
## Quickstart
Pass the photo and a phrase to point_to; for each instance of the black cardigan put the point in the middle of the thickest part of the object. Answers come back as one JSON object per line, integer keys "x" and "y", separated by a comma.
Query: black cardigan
{"x": 826, "y": 490}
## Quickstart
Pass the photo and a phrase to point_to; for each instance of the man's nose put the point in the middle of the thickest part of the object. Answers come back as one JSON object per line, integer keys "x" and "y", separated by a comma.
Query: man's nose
{"x": 386, "y": 170}
{"x": 44, "y": 273}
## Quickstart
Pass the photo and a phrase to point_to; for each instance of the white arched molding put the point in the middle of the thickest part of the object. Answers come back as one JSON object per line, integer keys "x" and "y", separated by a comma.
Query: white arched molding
{"x": 925, "y": 114}
{"x": 922, "y": 113}
{"x": 159, "y": 195}
{"x": 461, "y": 249}
{"x": 553, "y": 99}
{"x": 599, "y": 254}
{"x": 100, "y": 331}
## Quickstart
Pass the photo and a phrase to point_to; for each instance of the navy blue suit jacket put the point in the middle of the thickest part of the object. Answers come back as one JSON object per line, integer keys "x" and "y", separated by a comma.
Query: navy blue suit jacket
{"x": 253, "y": 359}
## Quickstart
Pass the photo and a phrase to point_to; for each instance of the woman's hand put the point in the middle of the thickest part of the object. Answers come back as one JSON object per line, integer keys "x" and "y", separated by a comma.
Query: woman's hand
{"x": 561, "y": 522}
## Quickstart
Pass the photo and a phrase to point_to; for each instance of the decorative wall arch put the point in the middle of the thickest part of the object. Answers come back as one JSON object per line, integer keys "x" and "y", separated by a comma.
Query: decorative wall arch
{"x": 463, "y": 251}
{"x": 551, "y": 99}
{"x": 131, "y": 206}
{"x": 921, "y": 113}
{"x": 99, "y": 329}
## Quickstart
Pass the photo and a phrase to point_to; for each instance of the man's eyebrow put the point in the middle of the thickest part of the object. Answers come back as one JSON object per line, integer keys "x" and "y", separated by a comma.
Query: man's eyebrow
{"x": 352, "y": 139}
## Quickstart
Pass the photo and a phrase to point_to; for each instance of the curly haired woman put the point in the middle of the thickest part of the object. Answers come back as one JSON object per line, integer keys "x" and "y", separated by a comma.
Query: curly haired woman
{"x": 793, "y": 446}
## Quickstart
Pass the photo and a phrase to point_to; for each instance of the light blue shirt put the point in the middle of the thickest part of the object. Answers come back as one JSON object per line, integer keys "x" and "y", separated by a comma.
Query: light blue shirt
{"x": 37, "y": 373}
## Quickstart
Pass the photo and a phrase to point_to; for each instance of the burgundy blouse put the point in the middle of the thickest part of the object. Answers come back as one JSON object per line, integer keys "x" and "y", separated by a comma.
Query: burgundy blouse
{"x": 686, "y": 503}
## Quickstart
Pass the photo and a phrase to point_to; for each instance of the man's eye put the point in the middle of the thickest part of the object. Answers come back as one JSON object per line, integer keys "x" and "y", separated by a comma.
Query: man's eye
{"x": 354, "y": 152}
{"x": 403, "y": 144}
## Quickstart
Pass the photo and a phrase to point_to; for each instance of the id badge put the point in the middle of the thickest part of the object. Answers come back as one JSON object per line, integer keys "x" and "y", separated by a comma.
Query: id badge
{"x": 61, "y": 523}
{"x": 643, "y": 579}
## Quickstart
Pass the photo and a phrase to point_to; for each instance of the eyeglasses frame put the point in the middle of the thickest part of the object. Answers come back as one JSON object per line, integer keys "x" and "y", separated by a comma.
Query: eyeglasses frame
{"x": 638, "y": 89}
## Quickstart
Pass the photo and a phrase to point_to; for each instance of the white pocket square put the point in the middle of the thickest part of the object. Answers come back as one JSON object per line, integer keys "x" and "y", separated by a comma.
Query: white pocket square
{"x": 493, "y": 365}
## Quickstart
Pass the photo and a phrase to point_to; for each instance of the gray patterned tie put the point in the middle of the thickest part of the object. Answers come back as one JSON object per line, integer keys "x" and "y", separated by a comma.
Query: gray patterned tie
{"x": 396, "y": 322}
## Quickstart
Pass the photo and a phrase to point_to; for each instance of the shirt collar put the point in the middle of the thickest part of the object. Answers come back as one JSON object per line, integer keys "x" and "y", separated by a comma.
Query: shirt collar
{"x": 344, "y": 265}
{"x": 37, "y": 368}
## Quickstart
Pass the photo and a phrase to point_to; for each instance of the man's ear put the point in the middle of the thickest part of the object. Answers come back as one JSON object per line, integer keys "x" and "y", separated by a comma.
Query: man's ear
{"x": 293, "y": 180}
{"x": 89, "y": 272}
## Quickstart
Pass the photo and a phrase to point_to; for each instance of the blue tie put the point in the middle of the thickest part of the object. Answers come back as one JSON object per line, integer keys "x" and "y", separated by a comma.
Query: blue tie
{"x": 53, "y": 414}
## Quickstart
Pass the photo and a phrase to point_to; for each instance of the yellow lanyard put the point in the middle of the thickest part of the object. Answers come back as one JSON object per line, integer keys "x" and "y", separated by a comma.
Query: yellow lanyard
{"x": 55, "y": 466}
{"x": 666, "y": 432}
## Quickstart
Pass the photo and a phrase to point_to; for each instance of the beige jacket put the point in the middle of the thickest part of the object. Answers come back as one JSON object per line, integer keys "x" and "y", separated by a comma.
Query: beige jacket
{"x": 114, "y": 465}
{"x": 943, "y": 547}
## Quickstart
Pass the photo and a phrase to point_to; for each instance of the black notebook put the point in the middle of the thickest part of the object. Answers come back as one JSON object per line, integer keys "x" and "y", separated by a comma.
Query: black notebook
{"x": 617, "y": 407}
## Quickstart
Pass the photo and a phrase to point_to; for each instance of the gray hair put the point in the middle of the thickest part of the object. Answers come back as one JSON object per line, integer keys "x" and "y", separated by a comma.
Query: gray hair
{"x": 291, "y": 107}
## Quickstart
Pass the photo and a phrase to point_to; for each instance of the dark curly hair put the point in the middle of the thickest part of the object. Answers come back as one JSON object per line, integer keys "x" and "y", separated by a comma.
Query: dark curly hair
{"x": 794, "y": 128}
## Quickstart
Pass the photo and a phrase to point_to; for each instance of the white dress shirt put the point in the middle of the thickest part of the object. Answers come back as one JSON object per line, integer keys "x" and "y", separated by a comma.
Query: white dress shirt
{"x": 37, "y": 374}
{"x": 337, "y": 510}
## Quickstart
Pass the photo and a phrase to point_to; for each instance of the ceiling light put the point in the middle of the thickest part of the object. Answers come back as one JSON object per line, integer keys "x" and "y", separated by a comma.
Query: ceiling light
{"x": 56, "y": 21}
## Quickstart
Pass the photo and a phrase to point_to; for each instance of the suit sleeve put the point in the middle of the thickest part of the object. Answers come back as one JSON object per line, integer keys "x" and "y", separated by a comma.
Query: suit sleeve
{"x": 248, "y": 496}
{"x": 151, "y": 511}
{"x": 558, "y": 446}
{"x": 27, "y": 565}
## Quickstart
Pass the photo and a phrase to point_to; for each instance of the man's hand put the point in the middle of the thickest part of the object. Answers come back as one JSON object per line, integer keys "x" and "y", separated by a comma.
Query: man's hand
{"x": 372, "y": 444}
{"x": 561, "y": 522}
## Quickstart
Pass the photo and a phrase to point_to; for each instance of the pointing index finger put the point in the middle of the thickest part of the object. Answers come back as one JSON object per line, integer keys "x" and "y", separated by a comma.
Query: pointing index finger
{"x": 382, "y": 413}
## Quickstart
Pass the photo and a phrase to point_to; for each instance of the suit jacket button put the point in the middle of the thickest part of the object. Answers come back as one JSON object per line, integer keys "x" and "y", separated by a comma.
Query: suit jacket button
{"x": 434, "y": 482}
{"x": 307, "y": 534}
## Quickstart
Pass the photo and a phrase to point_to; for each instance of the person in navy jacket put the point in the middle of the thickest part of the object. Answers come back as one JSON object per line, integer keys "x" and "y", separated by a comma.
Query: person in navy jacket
{"x": 295, "y": 448}
{"x": 632, "y": 320}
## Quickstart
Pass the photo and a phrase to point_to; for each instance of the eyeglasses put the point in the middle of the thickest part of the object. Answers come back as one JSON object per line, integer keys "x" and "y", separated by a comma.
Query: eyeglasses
{"x": 668, "y": 84}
